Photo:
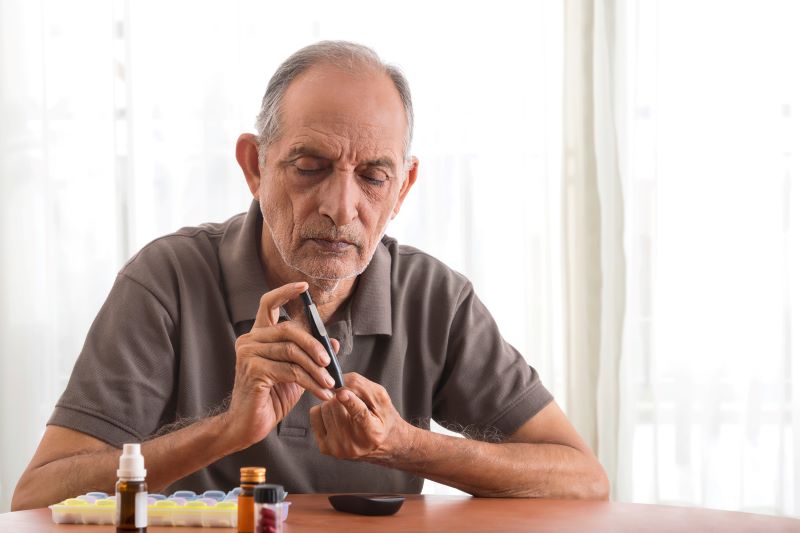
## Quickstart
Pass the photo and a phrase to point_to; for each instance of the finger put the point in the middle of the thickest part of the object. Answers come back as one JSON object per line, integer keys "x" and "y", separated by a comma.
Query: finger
{"x": 287, "y": 372}
{"x": 292, "y": 373}
{"x": 271, "y": 302}
{"x": 290, "y": 332}
{"x": 287, "y": 352}
{"x": 317, "y": 423}
{"x": 354, "y": 379}
{"x": 330, "y": 423}
{"x": 264, "y": 343}
{"x": 367, "y": 391}
{"x": 336, "y": 345}
{"x": 320, "y": 431}
{"x": 357, "y": 409}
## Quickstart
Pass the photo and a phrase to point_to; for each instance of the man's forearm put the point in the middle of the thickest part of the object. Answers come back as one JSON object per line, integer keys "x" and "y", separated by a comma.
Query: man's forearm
{"x": 502, "y": 470}
{"x": 167, "y": 459}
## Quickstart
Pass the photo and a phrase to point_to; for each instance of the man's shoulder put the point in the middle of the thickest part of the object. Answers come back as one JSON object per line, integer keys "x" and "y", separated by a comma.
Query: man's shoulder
{"x": 189, "y": 249}
{"x": 416, "y": 270}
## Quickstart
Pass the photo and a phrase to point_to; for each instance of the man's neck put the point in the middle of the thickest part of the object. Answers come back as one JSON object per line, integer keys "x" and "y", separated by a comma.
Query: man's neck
{"x": 328, "y": 295}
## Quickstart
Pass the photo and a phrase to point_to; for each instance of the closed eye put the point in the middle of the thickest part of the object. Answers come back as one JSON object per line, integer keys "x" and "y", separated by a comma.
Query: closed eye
{"x": 310, "y": 172}
{"x": 374, "y": 175}
{"x": 310, "y": 166}
{"x": 376, "y": 181}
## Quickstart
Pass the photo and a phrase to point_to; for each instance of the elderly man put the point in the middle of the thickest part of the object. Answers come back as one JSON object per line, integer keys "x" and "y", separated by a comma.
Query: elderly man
{"x": 189, "y": 355}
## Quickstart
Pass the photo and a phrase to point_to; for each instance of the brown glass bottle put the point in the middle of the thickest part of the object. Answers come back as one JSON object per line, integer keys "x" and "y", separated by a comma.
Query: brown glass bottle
{"x": 250, "y": 476}
{"x": 131, "y": 495}
{"x": 131, "y": 489}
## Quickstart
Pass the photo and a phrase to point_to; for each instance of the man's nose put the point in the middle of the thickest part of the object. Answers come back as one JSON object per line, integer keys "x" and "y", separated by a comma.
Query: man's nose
{"x": 340, "y": 197}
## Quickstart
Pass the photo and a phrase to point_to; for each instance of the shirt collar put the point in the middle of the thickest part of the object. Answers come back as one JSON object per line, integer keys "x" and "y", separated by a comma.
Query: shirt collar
{"x": 242, "y": 273}
{"x": 371, "y": 309}
{"x": 245, "y": 283}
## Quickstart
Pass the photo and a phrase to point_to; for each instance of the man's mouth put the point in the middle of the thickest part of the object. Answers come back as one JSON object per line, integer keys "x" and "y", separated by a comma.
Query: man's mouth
{"x": 334, "y": 245}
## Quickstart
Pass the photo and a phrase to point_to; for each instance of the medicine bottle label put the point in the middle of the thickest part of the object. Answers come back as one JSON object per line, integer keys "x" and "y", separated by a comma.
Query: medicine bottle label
{"x": 140, "y": 502}
{"x": 141, "y": 509}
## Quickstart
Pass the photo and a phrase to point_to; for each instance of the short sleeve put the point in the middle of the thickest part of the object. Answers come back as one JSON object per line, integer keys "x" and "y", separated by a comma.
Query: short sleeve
{"x": 120, "y": 386}
{"x": 487, "y": 390}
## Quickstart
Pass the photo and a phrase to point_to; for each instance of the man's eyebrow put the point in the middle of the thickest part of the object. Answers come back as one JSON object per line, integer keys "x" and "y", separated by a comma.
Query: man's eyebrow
{"x": 386, "y": 162}
{"x": 302, "y": 149}
{"x": 305, "y": 150}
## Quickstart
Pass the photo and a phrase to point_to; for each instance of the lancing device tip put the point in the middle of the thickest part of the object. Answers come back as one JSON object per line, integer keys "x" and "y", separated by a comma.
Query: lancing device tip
{"x": 306, "y": 296}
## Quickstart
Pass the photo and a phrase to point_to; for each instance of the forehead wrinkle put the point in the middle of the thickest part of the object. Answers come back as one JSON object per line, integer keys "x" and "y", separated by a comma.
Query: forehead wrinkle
{"x": 320, "y": 144}
{"x": 351, "y": 145}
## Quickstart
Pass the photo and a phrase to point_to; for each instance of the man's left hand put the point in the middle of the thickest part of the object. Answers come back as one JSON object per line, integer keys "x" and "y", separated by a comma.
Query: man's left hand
{"x": 360, "y": 422}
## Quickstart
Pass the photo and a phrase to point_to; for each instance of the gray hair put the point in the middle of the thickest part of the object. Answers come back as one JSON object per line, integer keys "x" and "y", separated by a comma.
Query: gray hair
{"x": 342, "y": 54}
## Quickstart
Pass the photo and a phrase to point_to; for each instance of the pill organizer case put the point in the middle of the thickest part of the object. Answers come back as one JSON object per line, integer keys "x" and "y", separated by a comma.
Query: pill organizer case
{"x": 213, "y": 508}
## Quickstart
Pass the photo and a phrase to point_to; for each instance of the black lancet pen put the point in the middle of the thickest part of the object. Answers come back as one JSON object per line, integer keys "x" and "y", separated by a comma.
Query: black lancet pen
{"x": 319, "y": 333}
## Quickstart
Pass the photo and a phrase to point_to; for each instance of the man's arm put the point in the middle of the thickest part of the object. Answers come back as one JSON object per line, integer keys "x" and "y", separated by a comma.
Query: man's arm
{"x": 68, "y": 463}
{"x": 545, "y": 458}
{"x": 275, "y": 362}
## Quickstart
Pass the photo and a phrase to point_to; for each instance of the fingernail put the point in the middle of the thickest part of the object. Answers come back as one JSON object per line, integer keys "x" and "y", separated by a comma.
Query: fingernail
{"x": 329, "y": 381}
{"x": 328, "y": 394}
{"x": 324, "y": 358}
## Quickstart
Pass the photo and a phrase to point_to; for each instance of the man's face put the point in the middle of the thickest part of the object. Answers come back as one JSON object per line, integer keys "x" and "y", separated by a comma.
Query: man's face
{"x": 335, "y": 177}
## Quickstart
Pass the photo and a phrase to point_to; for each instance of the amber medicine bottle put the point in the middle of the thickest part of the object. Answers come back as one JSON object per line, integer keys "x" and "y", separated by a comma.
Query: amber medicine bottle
{"x": 250, "y": 477}
{"x": 131, "y": 489}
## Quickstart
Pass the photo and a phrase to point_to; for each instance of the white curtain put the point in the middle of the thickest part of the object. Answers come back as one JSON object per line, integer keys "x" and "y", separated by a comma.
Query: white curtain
{"x": 710, "y": 405}
{"x": 118, "y": 121}
{"x": 686, "y": 343}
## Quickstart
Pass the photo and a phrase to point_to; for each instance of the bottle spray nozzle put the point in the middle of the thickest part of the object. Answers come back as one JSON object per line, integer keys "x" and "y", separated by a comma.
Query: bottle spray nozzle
{"x": 131, "y": 462}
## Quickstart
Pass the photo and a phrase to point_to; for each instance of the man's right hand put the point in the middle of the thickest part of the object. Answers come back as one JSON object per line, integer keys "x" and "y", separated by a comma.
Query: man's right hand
{"x": 275, "y": 362}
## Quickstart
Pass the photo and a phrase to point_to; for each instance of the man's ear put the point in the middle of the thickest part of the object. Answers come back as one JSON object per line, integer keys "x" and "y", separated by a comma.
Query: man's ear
{"x": 410, "y": 179}
{"x": 247, "y": 156}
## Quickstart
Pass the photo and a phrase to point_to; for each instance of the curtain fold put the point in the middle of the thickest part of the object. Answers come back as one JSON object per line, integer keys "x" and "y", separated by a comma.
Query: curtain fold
{"x": 594, "y": 259}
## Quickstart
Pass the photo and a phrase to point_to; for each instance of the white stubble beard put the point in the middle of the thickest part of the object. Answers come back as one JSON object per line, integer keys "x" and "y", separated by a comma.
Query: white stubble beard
{"x": 325, "y": 284}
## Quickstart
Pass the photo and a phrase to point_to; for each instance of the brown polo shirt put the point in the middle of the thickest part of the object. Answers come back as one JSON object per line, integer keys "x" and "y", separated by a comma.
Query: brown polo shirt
{"x": 161, "y": 353}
